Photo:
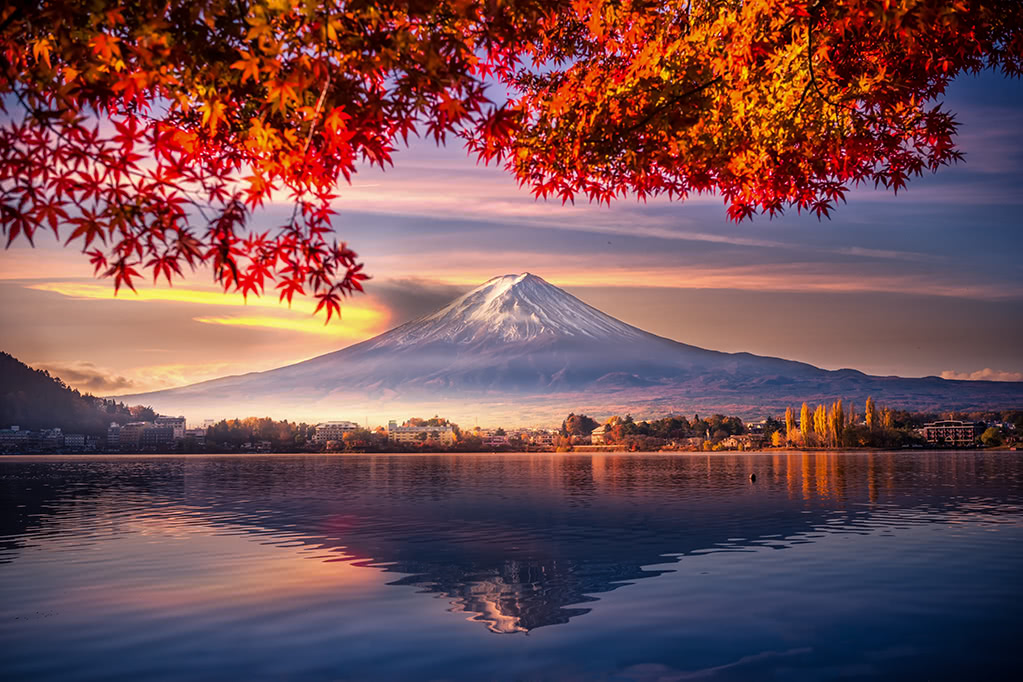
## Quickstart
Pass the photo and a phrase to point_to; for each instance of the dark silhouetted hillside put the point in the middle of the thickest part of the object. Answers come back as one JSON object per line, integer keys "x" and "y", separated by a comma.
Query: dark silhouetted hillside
{"x": 33, "y": 399}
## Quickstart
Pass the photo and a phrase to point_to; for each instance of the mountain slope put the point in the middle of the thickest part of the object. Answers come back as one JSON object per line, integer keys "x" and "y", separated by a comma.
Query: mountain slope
{"x": 518, "y": 345}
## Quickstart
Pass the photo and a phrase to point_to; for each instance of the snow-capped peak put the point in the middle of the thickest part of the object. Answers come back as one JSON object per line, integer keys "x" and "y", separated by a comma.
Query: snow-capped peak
{"x": 511, "y": 308}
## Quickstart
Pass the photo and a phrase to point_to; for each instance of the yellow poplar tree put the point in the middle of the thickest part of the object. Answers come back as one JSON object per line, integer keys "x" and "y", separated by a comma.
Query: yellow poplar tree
{"x": 804, "y": 424}
{"x": 820, "y": 423}
{"x": 871, "y": 414}
{"x": 790, "y": 424}
{"x": 836, "y": 424}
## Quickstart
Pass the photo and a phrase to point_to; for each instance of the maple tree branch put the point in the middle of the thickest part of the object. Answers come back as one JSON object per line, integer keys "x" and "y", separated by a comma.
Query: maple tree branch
{"x": 11, "y": 17}
{"x": 813, "y": 78}
{"x": 671, "y": 100}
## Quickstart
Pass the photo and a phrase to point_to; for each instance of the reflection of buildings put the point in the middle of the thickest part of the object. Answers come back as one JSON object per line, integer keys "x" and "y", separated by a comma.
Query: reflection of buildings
{"x": 950, "y": 432}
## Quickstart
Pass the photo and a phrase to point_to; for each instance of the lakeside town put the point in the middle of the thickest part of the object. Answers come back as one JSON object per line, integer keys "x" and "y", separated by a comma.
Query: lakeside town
{"x": 836, "y": 426}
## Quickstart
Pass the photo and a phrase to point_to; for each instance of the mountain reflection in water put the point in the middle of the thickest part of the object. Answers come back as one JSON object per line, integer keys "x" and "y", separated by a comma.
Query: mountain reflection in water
{"x": 519, "y": 542}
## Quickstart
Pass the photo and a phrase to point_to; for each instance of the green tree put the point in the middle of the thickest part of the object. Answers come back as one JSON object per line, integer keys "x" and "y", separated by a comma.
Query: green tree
{"x": 578, "y": 425}
{"x": 991, "y": 437}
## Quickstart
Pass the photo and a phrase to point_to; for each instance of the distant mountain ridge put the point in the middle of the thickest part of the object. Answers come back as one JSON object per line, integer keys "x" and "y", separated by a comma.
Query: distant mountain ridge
{"x": 520, "y": 347}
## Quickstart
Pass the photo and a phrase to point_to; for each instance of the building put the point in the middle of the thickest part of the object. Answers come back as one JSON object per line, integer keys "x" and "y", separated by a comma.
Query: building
{"x": 14, "y": 438}
{"x": 747, "y": 441}
{"x": 328, "y": 431}
{"x": 757, "y": 426}
{"x": 545, "y": 438}
{"x": 114, "y": 436}
{"x": 950, "y": 433}
{"x": 177, "y": 424}
{"x": 51, "y": 439}
{"x": 198, "y": 434}
{"x": 143, "y": 436}
{"x": 74, "y": 441}
{"x": 494, "y": 440}
{"x": 444, "y": 435}
{"x": 129, "y": 436}
{"x": 597, "y": 435}
{"x": 156, "y": 436}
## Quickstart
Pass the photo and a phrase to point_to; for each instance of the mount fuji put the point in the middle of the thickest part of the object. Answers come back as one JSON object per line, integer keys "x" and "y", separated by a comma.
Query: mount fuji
{"x": 521, "y": 350}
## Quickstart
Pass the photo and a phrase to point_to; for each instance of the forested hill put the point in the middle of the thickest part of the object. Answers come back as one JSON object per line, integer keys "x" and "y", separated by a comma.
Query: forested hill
{"x": 33, "y": 399}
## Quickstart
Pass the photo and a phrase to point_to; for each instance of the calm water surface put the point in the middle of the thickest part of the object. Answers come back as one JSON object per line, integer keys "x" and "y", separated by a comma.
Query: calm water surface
{"x": 897, "y": 566}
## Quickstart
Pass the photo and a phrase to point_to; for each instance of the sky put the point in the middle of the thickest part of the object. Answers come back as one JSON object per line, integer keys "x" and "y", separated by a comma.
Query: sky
{"x": 926, "y": 283}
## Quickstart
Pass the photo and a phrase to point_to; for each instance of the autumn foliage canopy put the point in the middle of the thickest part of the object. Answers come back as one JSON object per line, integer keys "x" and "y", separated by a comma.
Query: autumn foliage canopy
{"x": 148, "y": 132}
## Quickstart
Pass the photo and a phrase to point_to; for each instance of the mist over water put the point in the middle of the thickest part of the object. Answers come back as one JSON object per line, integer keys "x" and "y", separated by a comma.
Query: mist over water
{"x": 620, "y": 567}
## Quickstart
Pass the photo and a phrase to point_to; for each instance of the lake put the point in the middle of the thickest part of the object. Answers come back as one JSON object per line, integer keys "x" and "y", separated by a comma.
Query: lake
{"x": 637, "y": 567}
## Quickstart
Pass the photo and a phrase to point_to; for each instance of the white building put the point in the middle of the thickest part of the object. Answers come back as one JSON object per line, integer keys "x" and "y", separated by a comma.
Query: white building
{"x": 413, "y": 434}
{"x": 328, "y": 431}
{"x": 177, "y": 425}
{"x": 546, "y": 438}
{"x": 950, "y": 432}
{"x": 597, "y": 435}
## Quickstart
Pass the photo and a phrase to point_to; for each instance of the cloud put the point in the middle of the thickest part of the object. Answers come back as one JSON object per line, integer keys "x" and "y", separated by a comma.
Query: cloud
{"x": 211, "y": 296}
{"x": 363, "y": 324}
{"x": 356, "y": 321}
{"x": 986, "y": 374}
{"x": 411, "y": 297}
{"x": 645, "y": 270}
{"x": 88, "y": 378}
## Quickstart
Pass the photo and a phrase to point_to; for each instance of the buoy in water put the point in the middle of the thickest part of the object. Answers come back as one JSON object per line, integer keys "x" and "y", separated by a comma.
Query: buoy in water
{"x": 752, "y": 478}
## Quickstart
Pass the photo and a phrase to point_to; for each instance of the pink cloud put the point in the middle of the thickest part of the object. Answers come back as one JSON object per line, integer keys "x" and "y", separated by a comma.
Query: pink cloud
{"x": 986, "y": 374}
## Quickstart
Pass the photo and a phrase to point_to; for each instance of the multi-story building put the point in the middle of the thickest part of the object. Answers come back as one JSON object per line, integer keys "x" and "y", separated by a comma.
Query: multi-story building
{"x": 114, "y": 436}
{"x": 176, "y": 423}
{"x": 444, "y": 435}
{"x": 545, "y": 438}
{"x": 597, "y": 435}
{"x": 950, "y": 433}
{"x": 75, "y": 441}
{"x": 155, "y": 437}
{"x": 198, "y": 434}
{"x": 51, "y": 439}
{"x": 495, "y": 440}
{"x": 14, "y": 438}
{"x": 329, "y": 431}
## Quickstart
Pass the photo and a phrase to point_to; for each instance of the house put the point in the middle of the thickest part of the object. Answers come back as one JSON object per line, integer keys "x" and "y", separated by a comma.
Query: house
{"x": 748, "y": 441}
{"x": 597, "y": 436}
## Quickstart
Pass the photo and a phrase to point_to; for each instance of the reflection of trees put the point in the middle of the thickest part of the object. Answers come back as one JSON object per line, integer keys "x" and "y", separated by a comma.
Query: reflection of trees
{"x": 517, "y": 541}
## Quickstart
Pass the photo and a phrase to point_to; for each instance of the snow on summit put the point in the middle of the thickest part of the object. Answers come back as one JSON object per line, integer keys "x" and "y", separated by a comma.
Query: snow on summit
{"x": 511, "y": 308}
